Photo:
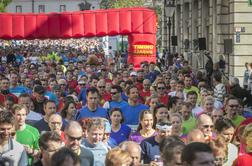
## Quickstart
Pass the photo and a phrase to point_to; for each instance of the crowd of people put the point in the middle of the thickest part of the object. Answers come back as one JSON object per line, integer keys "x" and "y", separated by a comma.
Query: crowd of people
{"x": 62, "y": 103}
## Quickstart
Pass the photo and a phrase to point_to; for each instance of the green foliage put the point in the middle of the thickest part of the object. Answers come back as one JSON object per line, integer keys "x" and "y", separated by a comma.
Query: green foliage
{"x": 3, "y": 4}
{"x": 107, "y": 4}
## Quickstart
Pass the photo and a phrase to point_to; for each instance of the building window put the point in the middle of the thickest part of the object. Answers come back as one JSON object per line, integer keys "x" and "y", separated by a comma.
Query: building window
{"x": 62, "y": 8}
{"x": 18, "y": 9}
{"x": 41, "y": 8}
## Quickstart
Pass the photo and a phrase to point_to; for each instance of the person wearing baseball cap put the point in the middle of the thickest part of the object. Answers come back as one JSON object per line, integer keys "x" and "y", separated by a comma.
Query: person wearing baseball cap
{"x": 39, "y": 99}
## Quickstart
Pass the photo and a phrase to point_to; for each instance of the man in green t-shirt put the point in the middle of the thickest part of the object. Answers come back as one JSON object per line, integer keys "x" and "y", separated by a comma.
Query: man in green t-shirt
{"x": 189, "y": 121}
{"x": 188, "y": 85}
{"x": 232, "y": 105}
{"x": 26, "y": 134}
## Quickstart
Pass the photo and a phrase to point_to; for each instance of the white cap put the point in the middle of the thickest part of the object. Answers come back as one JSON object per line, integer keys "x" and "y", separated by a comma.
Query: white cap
{"x": 133, "y": 73}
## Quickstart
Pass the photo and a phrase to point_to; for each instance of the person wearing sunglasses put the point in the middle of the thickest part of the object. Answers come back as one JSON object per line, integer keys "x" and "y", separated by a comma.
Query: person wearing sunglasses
{"x": 205, "y": 124}
{"x": 73, "y": 137}
{"x": 162, "y": 93}
{"x": 116, "y": 99}
{"x": 105, "y": 96}
{"x": 232, "y": 111}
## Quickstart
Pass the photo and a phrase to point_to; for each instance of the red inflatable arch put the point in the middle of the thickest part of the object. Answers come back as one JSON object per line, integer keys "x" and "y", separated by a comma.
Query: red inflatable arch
{"x": 138, "y": 23}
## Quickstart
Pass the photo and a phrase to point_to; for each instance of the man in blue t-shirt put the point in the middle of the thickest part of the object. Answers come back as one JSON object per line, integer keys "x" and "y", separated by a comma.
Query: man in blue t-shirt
{"x": 92, "y": 108}
{"x": 16, "y": 89}
{"x": 117, "y": 101}
{"x": 132, "y": 110}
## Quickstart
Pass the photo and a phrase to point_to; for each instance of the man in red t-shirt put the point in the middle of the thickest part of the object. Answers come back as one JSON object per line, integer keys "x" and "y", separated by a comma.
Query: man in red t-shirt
{"x": 161, "y": 91}
{"x": 4, "y": 87}
{"x": 105, "y": 96}
{"x": 146, "y": 89}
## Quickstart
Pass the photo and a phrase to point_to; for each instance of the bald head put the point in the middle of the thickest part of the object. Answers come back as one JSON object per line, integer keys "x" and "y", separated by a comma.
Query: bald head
{"x": 146, "y": 81}
{"x": 205, "y": 124}
{"x": 73, "y": 136}
{"x": 62, "y": 81}
{"x": 202, "y": 118}
{"x": 55, "y": 116}
{"x": 146, "y": 84}
{"x": 134, "y": 150}
{"x": 73, "y": 125}
{"x": 195, "y": 135}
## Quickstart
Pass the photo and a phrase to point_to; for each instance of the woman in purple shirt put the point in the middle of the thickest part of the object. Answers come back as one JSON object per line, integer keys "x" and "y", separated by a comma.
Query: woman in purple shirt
{"x": 119, "y": 132}
{"x": 145, "y": 128}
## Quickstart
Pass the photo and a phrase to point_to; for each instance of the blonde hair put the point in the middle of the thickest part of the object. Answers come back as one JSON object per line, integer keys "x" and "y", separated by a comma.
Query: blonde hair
{"x": 97, "y": 123}
{"x": 118, "y": 157}
{"x": 177, "y": 115}
{"x": 18, "y": 107}
{"x": 207, "y": 98}
{"x": 219, "y": 146}
{"x": 247, "y": 130}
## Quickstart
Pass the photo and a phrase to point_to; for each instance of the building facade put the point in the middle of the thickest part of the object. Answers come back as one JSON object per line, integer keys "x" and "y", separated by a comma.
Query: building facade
{"x": 214, "y": 21}
{"x": 46, "y": 6}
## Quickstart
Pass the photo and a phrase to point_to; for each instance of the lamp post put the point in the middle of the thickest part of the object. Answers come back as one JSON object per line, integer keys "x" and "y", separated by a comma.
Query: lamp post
{"x": 170, "y": 8}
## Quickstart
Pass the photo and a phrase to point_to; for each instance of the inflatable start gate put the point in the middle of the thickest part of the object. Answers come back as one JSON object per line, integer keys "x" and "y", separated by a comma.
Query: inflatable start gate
{"x": 138, "y": 23}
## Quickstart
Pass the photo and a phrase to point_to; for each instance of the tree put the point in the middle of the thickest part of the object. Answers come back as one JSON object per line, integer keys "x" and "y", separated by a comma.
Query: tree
{"x": 3, "y": 4}
{"x": 107, "y": 4}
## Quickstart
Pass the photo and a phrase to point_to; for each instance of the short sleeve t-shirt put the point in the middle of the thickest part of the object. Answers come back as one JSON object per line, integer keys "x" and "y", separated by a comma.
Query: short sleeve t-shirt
{"x": 121, "y": 135}
{"x": 237, "y": 120}
{"x": 188, "y": 125}
{"x": 42, "y": 126}
{"x": 137, "y": 137}
{"x": 131, "y": 113}
{"x": 86, "y": 113}
{"x": 150, "y": 148}
{"x": 29, "y": 136}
